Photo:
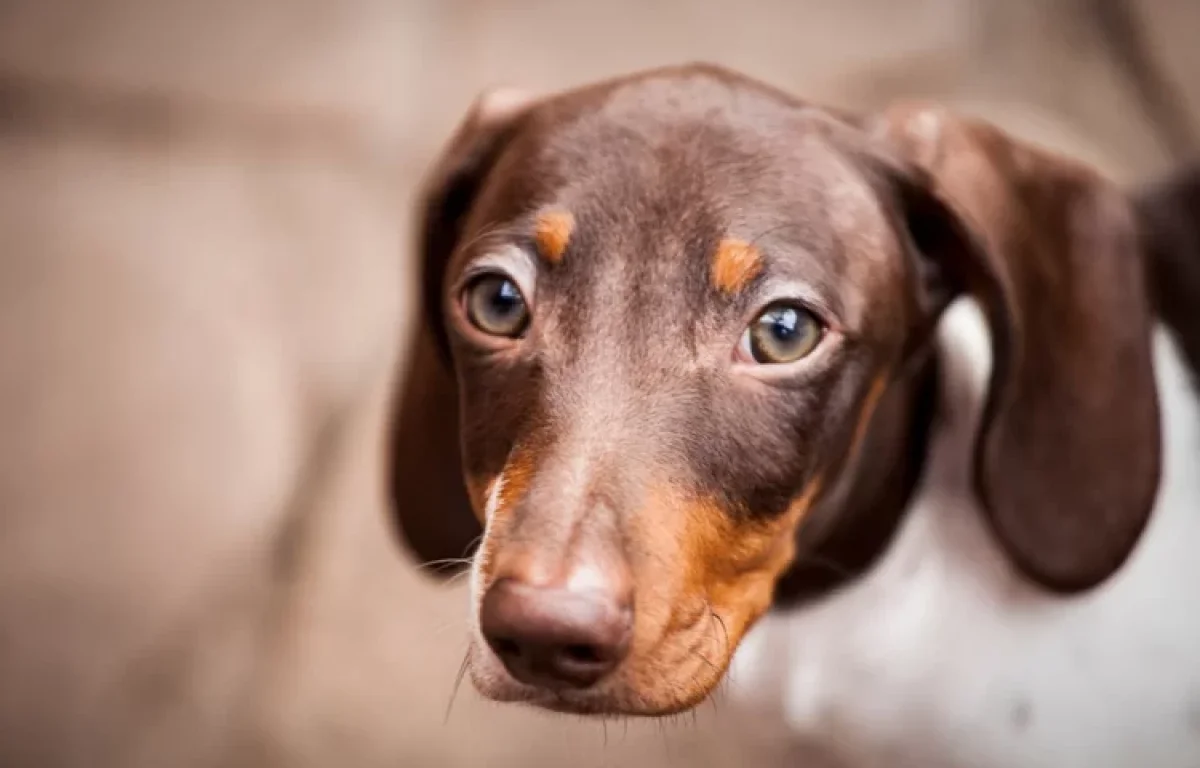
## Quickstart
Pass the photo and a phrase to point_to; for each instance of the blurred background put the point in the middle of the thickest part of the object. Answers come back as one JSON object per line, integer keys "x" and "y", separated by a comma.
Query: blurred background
{"x": 205, "y": 265}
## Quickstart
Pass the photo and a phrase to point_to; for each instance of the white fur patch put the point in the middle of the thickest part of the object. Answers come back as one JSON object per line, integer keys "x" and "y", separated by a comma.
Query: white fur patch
{"x": 476, "y": 583}
{"x": 493, "y": 499}
{"x": 943, "y": 656}
{"x": 588, "y": 578}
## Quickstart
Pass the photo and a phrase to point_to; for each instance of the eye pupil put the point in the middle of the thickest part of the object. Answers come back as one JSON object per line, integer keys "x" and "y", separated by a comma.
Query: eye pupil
{"x": 505, "y": 299}
{"x": 495, "y": 306}
{"x": 782, "y": 323}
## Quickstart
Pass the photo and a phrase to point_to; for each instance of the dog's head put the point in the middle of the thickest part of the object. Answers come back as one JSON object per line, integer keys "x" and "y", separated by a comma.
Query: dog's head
{"x": 679, "y": 322}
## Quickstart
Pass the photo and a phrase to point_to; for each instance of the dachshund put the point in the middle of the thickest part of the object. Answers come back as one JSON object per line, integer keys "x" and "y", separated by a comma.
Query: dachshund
{"x": 876, "y": 411}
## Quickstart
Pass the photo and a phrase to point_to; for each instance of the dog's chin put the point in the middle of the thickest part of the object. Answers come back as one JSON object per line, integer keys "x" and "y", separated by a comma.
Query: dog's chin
{"x": 610, "y": 698}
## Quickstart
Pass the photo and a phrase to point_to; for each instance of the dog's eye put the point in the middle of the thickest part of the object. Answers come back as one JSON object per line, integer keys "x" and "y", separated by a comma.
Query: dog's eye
{"x": 783, "y": 333}
{"x": 495, "y": 306}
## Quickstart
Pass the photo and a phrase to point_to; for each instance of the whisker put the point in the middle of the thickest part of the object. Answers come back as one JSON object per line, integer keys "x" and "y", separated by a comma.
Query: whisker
{"x": 444, "y": 564}
{"x": 724, "y": 629}
{"x": 456, "y": 578}
{"x": 469, "y": 550}
{"x": 713, "y": 697}
{"x": 450, "y": 562}
{"x": 462, "y": 672}
{"x": 662, "y": 731}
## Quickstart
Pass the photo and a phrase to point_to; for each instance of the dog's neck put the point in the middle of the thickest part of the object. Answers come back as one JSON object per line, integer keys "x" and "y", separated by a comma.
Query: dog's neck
{"x": 854, "y": 523}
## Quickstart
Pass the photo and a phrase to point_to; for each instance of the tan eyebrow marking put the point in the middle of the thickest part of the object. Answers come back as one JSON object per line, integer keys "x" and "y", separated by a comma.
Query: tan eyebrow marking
{"x": 734, "y": 265}
{"x": 552, "y": 232}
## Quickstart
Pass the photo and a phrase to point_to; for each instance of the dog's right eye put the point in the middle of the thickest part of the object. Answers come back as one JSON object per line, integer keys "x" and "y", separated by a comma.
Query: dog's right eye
{"x": 495, "y": 306}
{"x": 783, "y": 333}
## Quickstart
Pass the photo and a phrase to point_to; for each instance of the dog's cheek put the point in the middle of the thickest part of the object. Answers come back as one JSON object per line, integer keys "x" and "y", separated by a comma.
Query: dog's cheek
{"x": 498, "y": 407}
{"x": 742, "y": 557}
{"x": 673, "y": 661}
{"x": 758, "y": 449}
{"x": 707, "y": 574}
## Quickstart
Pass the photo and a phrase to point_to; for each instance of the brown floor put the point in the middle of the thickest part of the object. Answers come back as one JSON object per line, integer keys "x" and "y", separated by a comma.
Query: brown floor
{"x": 204, "y": 211}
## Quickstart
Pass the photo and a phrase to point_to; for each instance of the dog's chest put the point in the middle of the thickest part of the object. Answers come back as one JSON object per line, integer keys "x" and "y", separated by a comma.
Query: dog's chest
{"x": 942, "y": 656}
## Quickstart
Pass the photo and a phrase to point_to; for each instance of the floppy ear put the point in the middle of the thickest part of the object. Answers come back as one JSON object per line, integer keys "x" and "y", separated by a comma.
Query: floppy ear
{"x": 429, "y": 497}
{"x": 1169, "y": 214}
{"x": 1067, "y": 457}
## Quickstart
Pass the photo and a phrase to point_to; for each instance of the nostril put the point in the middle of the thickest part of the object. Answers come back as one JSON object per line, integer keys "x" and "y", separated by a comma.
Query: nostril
{"x": 505, "y": 646}
{"x": 582, "y": 654}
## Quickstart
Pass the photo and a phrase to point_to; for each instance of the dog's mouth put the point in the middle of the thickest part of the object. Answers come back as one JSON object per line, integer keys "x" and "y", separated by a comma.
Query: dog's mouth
{"x": 595, "y": 632}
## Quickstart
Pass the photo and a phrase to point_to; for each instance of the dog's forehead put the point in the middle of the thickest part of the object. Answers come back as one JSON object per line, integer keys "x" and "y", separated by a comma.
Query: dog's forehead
{"x": 678, "y": 163}
{"x": 729, "y": 133}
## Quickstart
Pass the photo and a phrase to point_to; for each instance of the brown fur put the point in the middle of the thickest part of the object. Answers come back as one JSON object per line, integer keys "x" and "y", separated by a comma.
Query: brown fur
{"x": 628, "y": 439}
{"x": 1169, "y": 214}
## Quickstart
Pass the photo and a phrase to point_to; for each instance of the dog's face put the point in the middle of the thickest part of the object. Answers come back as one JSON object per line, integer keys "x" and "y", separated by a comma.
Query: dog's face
{"x": 654, "y": 391}
{"x": 674, "y": 305}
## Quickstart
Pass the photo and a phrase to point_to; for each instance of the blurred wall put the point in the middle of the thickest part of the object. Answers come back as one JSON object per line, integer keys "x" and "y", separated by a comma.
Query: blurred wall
{"x": 204, "y": 281}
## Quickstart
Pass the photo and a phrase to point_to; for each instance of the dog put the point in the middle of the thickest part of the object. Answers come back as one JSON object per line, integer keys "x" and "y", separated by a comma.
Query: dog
{"x": 873, "y": 414}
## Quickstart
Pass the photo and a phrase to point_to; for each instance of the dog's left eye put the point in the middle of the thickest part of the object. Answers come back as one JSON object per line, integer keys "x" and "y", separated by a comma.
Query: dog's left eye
{"x": 784, "y": 333}
{"x": 495, "y": 306}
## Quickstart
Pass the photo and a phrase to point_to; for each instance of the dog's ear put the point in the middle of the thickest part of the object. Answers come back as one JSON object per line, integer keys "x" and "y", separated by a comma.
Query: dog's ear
{"x": 1067, "y": 461}
{"x": 1169, "y": 215}
{"x": 429, "y": 497}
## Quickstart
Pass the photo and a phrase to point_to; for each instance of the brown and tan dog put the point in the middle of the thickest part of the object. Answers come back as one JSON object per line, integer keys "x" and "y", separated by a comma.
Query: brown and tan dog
{"x": 681, "y": 343}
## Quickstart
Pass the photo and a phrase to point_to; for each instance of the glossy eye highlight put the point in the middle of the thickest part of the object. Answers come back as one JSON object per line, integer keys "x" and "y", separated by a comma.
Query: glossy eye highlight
{"x": 784, "y": 333}
{"x": 495, "y": 306}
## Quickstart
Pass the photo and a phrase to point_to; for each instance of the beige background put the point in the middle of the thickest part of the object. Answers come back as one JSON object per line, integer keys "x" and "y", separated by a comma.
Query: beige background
{"x": 204, "y": 216}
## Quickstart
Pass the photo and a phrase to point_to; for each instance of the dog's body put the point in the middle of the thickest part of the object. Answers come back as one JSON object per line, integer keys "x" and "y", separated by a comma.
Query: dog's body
{"x": 944, "y": 656}
{"x": 968, "y": 449}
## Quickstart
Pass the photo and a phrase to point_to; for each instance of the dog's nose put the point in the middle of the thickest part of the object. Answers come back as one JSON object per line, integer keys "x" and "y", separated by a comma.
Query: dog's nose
{"x": 554, "y": 636}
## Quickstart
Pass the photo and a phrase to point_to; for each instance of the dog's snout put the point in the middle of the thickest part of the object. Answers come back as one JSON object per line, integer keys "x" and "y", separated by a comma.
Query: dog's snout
{"x": 557, "y": 636}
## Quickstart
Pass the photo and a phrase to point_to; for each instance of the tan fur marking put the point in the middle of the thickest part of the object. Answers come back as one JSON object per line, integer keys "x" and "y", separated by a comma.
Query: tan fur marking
{"x": 517, "y": 476}
{"x": 734, "y": 265}
{"x": 479, "y": 487}
{"x": 553, "y": 233}
{"x": 711, "y": 578}
{"x": 715, "y": 578}
{"x": 878, "y": 386}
